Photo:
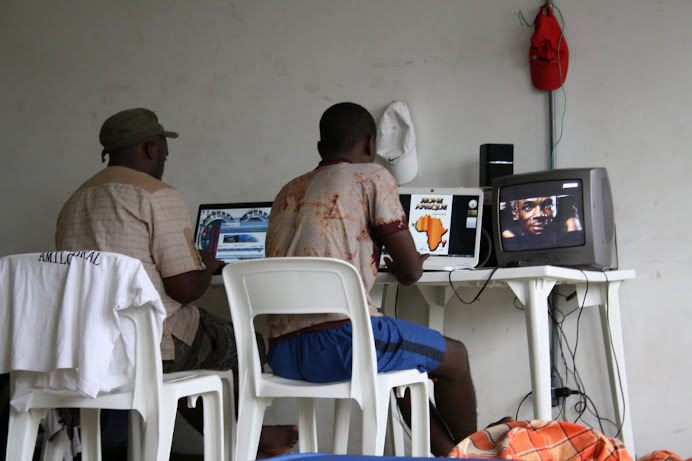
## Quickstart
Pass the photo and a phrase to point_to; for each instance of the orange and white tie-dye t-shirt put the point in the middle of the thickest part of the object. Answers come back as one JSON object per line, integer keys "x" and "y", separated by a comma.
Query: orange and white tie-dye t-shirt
{"x": 339, "y": 210}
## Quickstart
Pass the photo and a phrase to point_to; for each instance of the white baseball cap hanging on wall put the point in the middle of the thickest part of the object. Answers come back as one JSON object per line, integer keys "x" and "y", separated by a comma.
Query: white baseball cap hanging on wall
{"x": 396, "y": 142}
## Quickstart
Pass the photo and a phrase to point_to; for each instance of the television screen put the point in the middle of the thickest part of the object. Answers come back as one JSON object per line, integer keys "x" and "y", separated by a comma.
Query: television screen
{"x": 561, "y": 217}
{"x": 545, "y": 214}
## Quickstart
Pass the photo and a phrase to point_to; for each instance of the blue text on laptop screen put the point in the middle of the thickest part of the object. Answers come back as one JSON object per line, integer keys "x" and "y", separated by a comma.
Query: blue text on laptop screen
{"x": 235, "y": 232}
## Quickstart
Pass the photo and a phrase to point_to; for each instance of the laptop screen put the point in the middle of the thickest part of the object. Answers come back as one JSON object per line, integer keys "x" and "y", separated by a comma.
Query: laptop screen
{"x": 233, "y": 231}
{"x": 445, "y": 223}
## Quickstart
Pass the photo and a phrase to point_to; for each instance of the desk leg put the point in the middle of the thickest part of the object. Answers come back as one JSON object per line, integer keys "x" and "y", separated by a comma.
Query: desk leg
{"x": 533, "y": 294}
{"x": 436, "y": 298}
{"x": 615, "y": 356}
{"x": 384, "y": 295}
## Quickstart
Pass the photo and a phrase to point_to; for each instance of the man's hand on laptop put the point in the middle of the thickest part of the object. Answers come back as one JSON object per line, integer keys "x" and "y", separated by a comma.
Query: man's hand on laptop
{"x": 210, "y": 261}
{"x": 392, "y": 267}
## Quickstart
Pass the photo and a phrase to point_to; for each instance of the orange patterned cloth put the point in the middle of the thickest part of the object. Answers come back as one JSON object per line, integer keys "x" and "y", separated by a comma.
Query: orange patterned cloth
{"x": 548, "y": 441}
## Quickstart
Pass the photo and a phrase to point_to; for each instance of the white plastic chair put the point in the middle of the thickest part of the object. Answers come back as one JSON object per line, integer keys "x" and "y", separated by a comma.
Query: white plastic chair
{"x": 152, "y": 396}
{"x": 229, "y": 417}
{"x": 315, "y": 285}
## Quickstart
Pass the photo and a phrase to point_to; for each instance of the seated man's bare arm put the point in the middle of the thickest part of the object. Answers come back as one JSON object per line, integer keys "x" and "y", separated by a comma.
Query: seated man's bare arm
{"x": 405, "y": 263}
{"x": 188, "y": 286}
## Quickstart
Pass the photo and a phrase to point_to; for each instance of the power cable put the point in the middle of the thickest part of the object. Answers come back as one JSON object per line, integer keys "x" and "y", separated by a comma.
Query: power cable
{"x": 487, "y": 281}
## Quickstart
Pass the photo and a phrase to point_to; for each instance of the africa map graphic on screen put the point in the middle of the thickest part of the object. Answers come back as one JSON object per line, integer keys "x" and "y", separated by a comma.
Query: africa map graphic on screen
{"x": 434, "y": 229}
{"x": 430, "y": 219}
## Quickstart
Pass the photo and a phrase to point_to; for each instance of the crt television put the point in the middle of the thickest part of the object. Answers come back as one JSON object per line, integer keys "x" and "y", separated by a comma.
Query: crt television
{"x": 560, "y": 217}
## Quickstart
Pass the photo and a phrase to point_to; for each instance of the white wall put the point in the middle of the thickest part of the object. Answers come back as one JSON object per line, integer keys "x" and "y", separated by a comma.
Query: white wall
{"x": 245, "y": 82}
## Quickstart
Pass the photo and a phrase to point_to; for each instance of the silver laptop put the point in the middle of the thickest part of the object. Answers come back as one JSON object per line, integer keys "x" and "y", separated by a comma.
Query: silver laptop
{"x": 233, "y": 231}
{"x": 446, "y": 224}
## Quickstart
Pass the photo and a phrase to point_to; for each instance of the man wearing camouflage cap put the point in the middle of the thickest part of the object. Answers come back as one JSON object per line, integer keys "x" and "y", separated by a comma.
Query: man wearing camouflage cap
{"x": 127, "y": 209}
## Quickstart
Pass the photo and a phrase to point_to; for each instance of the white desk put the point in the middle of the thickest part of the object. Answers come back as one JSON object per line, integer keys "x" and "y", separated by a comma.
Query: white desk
{"x": 532, "y": 285}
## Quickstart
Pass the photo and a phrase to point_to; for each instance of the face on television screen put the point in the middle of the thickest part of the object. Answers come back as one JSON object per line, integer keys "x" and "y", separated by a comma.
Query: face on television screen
{"x": 541, "y": 215}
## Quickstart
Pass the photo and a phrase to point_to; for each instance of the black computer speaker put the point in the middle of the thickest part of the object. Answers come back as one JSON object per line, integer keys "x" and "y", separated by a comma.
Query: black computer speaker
{"x": 496, "y": 160}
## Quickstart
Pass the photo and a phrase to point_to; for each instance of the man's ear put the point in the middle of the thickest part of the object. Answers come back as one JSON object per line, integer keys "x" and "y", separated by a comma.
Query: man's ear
{"x": 320, "y": 148}
{"x": 369, "y": 148}
{"x": 149, "y": 147}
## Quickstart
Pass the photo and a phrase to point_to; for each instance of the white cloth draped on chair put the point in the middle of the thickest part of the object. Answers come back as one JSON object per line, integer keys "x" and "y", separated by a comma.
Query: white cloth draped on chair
{"x": 83, "y": 330}
{"x": 40, "y": 292}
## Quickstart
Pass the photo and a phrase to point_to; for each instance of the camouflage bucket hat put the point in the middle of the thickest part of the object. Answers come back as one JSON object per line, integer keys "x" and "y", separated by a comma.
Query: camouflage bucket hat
{"x": 129, "y": 127}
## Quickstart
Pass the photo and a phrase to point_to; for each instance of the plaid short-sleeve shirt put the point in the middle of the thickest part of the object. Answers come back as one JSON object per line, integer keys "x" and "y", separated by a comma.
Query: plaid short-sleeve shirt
{"x": 339, "y": 210}
{"x": 121, "y": 210}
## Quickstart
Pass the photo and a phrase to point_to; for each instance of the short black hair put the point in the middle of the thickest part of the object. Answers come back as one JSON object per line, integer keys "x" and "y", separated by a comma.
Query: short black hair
{"x": 344, "y": 125}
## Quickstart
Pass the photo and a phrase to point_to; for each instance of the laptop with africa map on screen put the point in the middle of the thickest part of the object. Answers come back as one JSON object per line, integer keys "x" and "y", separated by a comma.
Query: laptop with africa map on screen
{"x": 446, "y": 224}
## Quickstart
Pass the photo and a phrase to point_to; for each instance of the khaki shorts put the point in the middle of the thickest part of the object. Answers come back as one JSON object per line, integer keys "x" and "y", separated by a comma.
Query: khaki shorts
{"x": 212, "y": 349}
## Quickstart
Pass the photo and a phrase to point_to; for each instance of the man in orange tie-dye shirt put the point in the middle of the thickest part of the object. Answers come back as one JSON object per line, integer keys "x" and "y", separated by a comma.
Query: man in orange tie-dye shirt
{"x": 348, "y": 208}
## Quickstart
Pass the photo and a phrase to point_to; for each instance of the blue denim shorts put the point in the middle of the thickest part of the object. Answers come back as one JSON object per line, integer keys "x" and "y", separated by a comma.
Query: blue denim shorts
{"x": 325, "y": 356}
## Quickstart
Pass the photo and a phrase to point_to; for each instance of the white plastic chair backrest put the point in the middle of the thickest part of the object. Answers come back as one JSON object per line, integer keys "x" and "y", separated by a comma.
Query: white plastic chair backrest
{"x": 148, "y": 380}
{"x": 299, "y": 285}
{"x": 144, "y": 316}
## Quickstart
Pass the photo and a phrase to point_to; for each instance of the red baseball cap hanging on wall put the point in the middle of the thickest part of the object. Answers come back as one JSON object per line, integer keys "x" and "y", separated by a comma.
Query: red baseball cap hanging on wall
{"x": 548, "y": 55}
